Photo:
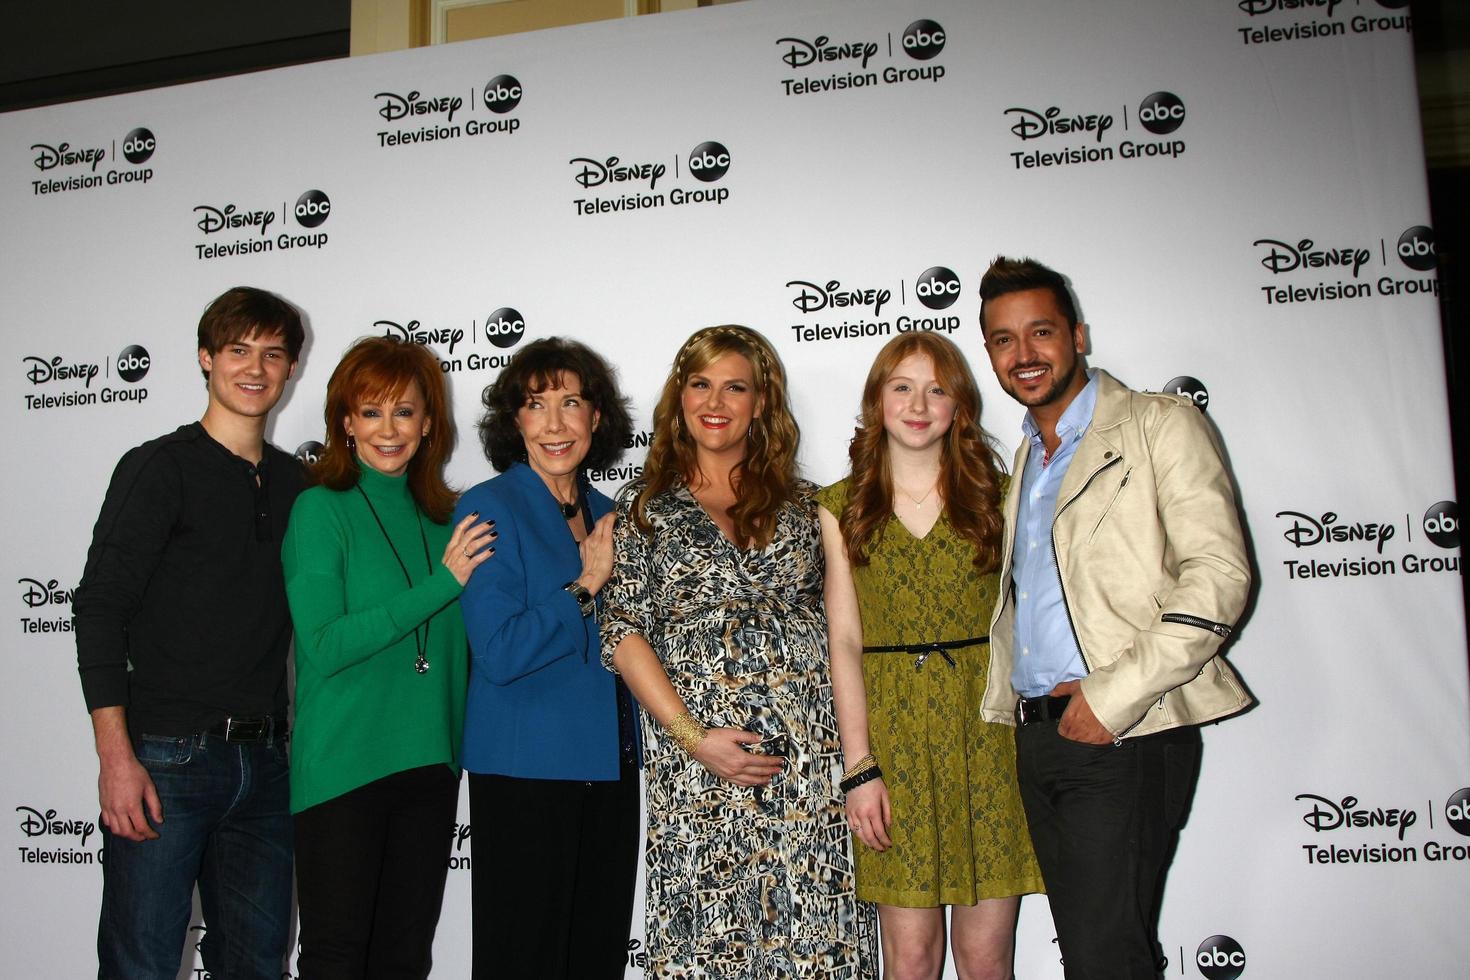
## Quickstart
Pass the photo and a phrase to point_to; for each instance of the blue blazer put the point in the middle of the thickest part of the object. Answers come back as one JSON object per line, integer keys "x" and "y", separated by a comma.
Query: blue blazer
{"x": 541, "y": 705}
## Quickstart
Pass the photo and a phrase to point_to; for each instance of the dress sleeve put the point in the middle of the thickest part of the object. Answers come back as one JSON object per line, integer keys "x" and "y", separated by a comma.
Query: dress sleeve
{"x": 138, "y": 514}
{"x": 832, "y": 499}
{"x": 331, "y": 637}
{"x": 627, "y": 604}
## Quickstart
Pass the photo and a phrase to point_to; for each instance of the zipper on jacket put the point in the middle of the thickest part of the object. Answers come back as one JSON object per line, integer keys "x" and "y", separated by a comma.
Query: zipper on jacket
{"x": 1109, "y": 508}
{"x": 1184, "y": 619}
{"x": 1062, "y": 582}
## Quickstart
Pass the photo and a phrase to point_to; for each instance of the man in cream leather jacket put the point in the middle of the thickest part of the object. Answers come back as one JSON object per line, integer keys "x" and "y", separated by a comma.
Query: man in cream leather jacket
{"x": 1124, "y": 571}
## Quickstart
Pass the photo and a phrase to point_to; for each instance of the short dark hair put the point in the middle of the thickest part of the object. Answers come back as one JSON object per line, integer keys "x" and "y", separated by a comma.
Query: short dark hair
{"x": 245, "y": 312}
{"x": 538, "y": 366}
{"x": 1007, "y": 275}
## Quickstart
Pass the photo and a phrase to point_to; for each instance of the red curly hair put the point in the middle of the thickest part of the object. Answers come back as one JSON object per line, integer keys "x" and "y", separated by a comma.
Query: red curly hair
{"x": 969, "y": 466}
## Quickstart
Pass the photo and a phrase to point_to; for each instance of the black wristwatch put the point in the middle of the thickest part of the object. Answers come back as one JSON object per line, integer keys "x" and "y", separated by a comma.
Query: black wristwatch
{"x": 583, "y": 597}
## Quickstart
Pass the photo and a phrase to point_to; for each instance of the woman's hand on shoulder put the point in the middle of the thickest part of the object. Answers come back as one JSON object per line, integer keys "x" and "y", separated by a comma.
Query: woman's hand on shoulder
{"x": 720, "y": 752}
{"x": 868, "y": 814}
{"x": 468, "y": 547}
{"x": 597, "y": 555}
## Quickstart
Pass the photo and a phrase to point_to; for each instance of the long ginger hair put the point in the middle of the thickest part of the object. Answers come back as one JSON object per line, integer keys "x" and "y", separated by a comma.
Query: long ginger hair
{"x": 969, "y": 466}
{"x": 765, "y": 480}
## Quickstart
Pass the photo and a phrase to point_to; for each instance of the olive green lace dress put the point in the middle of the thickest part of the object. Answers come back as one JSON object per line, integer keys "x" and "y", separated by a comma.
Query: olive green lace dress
{"x": 959, "y": 833}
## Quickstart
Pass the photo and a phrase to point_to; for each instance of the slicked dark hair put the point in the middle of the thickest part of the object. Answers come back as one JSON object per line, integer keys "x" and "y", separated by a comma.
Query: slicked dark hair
{"x": 536, "y": 367}
{"x": 1007, "y": 275}
{"x": 245, "y": 312}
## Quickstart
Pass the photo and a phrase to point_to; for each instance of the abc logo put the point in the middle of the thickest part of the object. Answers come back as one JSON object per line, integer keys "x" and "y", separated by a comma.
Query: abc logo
{"x": 502, "y": 93}
{"x": 1442, "y": 524}
{"x": 709, "y": 161}
{"x": 312, "y": 209}
{"x": 1162, "y": 112}
{"x": 937, "y": 288}
{"x": 1220, "y": 958}
{"x": 1191, "y": 388}
{"x": 1416, "y": 248}
{"x": 505, "y": 327}
{"x": 310, "y": 453}
{"x": 923, "y": 39}
{"x": 1457, "y": 811}
{"x": 133, "y": 363}
{"x": 139, "y": 145}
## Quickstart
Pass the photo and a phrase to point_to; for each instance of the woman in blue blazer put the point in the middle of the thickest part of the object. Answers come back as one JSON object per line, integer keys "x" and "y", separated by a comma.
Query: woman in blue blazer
{"x": 550, "y": 737}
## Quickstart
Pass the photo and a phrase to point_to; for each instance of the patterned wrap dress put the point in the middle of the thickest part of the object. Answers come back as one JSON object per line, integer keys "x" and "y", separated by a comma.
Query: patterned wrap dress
{"x": 742, "y": 882}
{"x": 959, "y": 832}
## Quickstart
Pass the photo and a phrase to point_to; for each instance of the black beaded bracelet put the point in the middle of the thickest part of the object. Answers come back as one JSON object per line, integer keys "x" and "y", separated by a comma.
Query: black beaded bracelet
{"x": 867, "y": 775}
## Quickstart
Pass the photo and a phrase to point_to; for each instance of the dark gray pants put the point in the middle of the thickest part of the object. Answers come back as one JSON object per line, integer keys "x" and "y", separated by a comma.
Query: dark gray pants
{"x": 1105, "y": 821}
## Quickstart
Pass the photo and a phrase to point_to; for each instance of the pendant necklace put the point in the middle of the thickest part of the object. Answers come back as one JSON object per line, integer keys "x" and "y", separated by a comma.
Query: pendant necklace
{"x": 918, "y": 501}
{"x": 569, "y": 510}
{"x": 421, "y": 664}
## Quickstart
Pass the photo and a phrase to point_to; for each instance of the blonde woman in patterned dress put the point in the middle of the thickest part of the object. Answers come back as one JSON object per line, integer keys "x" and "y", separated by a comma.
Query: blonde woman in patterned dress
{"x": 714, "y": 619}
{"x": 912, "y": 541}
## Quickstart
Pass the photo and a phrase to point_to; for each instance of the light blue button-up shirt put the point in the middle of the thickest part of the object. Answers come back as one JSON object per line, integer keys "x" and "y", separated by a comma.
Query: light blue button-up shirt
{"x": 1046, "y": 651}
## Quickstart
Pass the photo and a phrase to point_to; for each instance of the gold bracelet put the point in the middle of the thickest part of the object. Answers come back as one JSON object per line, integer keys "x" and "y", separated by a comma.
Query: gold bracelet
{"x": 685, "y": 731}
{"x": 861, "y": 766}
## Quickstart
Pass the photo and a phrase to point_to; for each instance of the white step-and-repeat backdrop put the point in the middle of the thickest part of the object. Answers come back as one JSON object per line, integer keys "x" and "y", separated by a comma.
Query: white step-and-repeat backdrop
{"x": 1236, "y": 189}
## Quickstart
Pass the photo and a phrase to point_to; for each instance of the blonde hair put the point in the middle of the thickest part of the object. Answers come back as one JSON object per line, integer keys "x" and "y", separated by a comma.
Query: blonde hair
{"x": 765, "y": 480}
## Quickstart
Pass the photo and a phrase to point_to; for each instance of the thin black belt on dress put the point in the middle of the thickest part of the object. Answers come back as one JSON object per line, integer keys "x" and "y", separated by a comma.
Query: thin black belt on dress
{"x": 923, "y": 650}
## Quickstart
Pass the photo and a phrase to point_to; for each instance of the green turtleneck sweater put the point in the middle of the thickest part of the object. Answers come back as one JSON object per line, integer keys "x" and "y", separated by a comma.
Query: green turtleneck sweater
{"x": 362, "y": 711}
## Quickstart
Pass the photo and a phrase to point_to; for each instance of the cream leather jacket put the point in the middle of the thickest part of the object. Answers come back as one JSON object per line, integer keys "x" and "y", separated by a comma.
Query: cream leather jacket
{"x": 1153, "y": 567}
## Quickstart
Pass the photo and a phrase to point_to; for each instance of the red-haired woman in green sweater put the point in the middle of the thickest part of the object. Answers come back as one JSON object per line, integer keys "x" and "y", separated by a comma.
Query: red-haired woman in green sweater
{"x": 372, "y": 571}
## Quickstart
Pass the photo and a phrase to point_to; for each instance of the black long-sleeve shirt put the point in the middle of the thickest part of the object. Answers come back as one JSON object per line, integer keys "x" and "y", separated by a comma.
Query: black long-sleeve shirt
{"x": 183, "y": 583}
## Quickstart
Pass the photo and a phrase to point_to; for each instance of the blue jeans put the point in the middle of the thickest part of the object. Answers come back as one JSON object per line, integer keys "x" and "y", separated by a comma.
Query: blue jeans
{"x": 226, "y": 825}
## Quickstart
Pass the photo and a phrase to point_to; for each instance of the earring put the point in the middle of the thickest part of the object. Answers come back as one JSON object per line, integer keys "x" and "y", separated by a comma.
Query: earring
{"x": 351, "y": 443}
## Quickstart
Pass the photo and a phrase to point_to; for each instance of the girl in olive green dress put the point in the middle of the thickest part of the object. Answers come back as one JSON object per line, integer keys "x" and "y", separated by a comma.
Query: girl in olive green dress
{"x": 912, "y": 540}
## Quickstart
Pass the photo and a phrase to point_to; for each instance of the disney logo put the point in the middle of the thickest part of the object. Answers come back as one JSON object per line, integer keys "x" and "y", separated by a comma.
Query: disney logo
{"x": 1254, "y": 7}
{"x": 64, "y": 156}
{"x": 802, "y": 53}
{"x": 1306, "y": 531}
{"x": 1282, "y": 257}
{"x": 810, "y": 297}
{"x": 212, "y": 220}
{"x": 459, "y": 835}
{"x": 35, "y": 823}
{"x": 397, "y": 106}
{"x": 594, "y": 172}
{"x": 42, "y": 371}
{"x": 410, "y": 332}
{"x": 38, "y": 593}
{"x": 1031, "y": 124}
{"x": 1326, "y": 815}
{"x": 637, "y": 956}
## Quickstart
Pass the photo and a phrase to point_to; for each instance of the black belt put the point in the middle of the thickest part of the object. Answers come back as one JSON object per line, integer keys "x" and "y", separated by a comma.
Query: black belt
{"x": 258, "y": 729}
{"x": 1042, "y": 708}
{"x": 923, "y": 650}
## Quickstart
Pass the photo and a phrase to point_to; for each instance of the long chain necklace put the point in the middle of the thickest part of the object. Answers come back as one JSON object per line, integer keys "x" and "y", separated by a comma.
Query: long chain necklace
{"x": 421, "y": 664}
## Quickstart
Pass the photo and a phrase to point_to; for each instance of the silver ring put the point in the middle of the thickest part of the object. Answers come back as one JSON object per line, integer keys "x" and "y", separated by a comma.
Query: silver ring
{"x": 465, "y": 553}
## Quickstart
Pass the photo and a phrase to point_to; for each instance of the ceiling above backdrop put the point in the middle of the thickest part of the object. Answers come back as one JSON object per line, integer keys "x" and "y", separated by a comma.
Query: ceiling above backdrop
{"x": 61, "y": 50}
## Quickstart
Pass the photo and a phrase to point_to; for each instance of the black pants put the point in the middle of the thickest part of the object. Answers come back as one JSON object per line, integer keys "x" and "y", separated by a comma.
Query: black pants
{"x": 1105, "y": 821}
{"x": 555, "y": 864}
{"x": 370, "y": 870}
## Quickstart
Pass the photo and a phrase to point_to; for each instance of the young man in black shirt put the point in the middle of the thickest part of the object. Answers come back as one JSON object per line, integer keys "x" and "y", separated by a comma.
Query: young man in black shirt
{"x": 182, "y": 633}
